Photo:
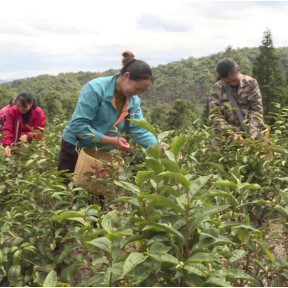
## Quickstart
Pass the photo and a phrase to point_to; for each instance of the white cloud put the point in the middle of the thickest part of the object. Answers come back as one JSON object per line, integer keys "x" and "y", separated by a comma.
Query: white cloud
{"x": 57, "y": 36}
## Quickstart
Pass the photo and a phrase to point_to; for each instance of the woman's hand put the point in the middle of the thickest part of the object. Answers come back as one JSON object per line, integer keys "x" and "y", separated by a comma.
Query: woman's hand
{"x": 7, "y": 151}
{"x": 24, "y": 138}
{"x": 121, "y": 144}
{"x": 117, "y": 143}
{"x": 237, "y": 137}
{"x": 162, "y": 144}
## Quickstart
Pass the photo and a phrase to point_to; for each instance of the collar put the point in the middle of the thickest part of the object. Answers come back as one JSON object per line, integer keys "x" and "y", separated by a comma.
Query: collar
{"x": 109, "y": 92}
{"x": 243, "y": 81}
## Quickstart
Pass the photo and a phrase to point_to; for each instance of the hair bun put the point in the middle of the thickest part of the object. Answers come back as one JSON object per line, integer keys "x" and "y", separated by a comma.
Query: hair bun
{"x": 128, "y": 56}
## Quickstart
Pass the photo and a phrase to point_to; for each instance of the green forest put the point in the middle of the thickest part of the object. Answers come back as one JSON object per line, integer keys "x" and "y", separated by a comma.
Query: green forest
{"x": 192, "y": 215}
{"x": 188, "y": 79}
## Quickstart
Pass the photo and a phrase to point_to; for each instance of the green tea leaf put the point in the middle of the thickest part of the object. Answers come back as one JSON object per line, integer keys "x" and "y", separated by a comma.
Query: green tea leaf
{"x": 130, "y": 239}
{"x": 163, "y": 135}
{"x": 102, "y": 243}
{"x": 284, "y": 195}
{"x": 277, "y": 150}
{"x": 218, "y": 282}
{"x": 206, "y": 242}
{"x": 164, "y": 227}
{"x": 14, "y": 273}
{"x": 134, "y": 259}
{"x": 225, "y": 183}
{"x": 68, "y": 272}
{"x": 283, "y": 211}
{"x": 219, "y": 168}
{"x": 237, "y": 255}
{"x": 203, "y": 257}
{"x": 159, "y": 257}
{"x": 198, "y": 184}
{"x": 154, "y": 151}
{"x": 194, "y": 270}
{"x": 142, "y": 176}
{"x": 165, "y": 202}
{"x": 119, "y": 233}
{"x": 171, "y": 166}
{"x": 238, "y": 274}
{"x": 107, "y": 220}
{"x": 261, "y": 201}
{"x": 144, "y": 124}
{"x": 67, "y": 250}
{"x": 68, "y": 214}
{"x": 51, "y": 279}
{"x": 249, "y": 186}
{"x": 265, "y": 248}
{"x": 177, "y": 177}
{"x": 243, "y": 235}
{"x": 154, "y": 165}
{"x": 177, "y": 144}
{"x": 214, "y": 193}
{"x": 17, "y": 257}
{"x": 128, "y": 186}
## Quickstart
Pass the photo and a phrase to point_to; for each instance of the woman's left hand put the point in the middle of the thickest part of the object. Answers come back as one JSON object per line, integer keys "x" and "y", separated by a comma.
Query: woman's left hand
{"x": 162, "y": 150}
{"x": 24, "y": 138}
{"x": 161, "y": 146}
{"x": 7, "y": 151}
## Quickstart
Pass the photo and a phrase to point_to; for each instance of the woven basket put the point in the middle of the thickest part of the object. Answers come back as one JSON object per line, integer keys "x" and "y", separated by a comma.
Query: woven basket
{"x": 265, "y": 137}
{"x": 92, "y": 162}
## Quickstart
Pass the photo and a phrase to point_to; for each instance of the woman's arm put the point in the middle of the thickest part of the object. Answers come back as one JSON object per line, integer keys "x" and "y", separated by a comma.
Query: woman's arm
{"x": 144, "y": 137}
{"x": 8, "y": 129}
{"x": 38, "y": 124}
{"x": 85, "y": 112}
{"x": 256, "y": 111}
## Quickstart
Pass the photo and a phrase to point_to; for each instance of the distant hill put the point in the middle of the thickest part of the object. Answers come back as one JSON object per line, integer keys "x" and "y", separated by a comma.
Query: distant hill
{"x": 187, "y": 79}
{"x": 4, "y": 81}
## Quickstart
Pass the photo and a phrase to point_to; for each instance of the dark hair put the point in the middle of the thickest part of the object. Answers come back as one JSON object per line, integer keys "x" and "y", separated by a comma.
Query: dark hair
{"x": 25, "y": 98}
{"x": 226, "y": 66}
{"x": 138, "y": 69}
{"x": 11, "y": 102}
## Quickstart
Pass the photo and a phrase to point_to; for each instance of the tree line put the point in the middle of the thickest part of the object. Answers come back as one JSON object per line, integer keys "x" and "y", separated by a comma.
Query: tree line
{"x": 180, "y": 90}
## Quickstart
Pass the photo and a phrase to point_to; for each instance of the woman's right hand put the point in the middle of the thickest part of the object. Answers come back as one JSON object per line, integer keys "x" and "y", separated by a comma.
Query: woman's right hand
{"x": 237, "y": 137}
{"x": 120, "y": 144}
{"x": 117, "y": 143}
{"x": 7, "y": 151}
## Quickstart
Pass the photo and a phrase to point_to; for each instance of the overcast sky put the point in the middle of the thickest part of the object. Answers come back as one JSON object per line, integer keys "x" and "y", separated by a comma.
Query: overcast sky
{"x": 49, "y": 37}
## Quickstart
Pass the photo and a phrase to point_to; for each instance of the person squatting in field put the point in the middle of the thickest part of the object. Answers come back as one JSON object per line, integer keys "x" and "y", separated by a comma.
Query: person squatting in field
{"x": 22, "y": 121}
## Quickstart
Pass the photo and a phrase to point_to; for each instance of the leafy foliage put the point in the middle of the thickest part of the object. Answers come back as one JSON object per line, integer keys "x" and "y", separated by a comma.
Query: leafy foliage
{"x": 202, "y": 219}
{"x": 193, "y": 214}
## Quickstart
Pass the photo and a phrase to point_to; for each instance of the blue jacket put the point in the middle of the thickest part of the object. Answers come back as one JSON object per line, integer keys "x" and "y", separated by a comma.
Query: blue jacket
{"x": 95, "y": 116}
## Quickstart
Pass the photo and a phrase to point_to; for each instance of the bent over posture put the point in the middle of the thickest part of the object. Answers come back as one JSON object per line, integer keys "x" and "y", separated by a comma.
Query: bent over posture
{"x": 247, "y": 95}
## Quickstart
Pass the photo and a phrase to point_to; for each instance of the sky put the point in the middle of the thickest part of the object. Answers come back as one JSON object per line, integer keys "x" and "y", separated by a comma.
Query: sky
{"x": 50, "y": 37}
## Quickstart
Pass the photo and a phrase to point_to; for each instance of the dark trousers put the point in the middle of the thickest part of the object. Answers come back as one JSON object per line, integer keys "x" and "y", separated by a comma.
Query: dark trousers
{"x": 68, "y": 157}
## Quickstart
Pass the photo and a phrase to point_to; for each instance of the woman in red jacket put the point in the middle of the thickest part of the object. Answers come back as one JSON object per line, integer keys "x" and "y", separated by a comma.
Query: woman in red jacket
{"x": 24, "y": 112}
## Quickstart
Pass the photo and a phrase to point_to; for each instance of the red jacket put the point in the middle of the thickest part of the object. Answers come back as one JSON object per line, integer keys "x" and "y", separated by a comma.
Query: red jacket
{"x": 37, "y": 119}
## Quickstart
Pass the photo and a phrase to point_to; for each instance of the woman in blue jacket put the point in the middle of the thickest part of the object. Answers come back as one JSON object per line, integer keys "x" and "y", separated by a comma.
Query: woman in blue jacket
{"x": 101, "y": 110}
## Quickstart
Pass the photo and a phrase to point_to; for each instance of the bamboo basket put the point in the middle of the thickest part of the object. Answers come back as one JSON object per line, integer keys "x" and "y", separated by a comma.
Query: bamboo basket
{"x": 92, "y": 162}
{"x": 265, "y": 137}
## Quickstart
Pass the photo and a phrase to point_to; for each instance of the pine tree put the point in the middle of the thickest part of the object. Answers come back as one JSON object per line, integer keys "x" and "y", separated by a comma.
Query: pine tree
{"x": 205, "y": 113}
{"x": 158, "y": 115}
{"x": 232, "y": 53}
{"x": 182, "y": 115}
{"x": 269, "y": 73}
